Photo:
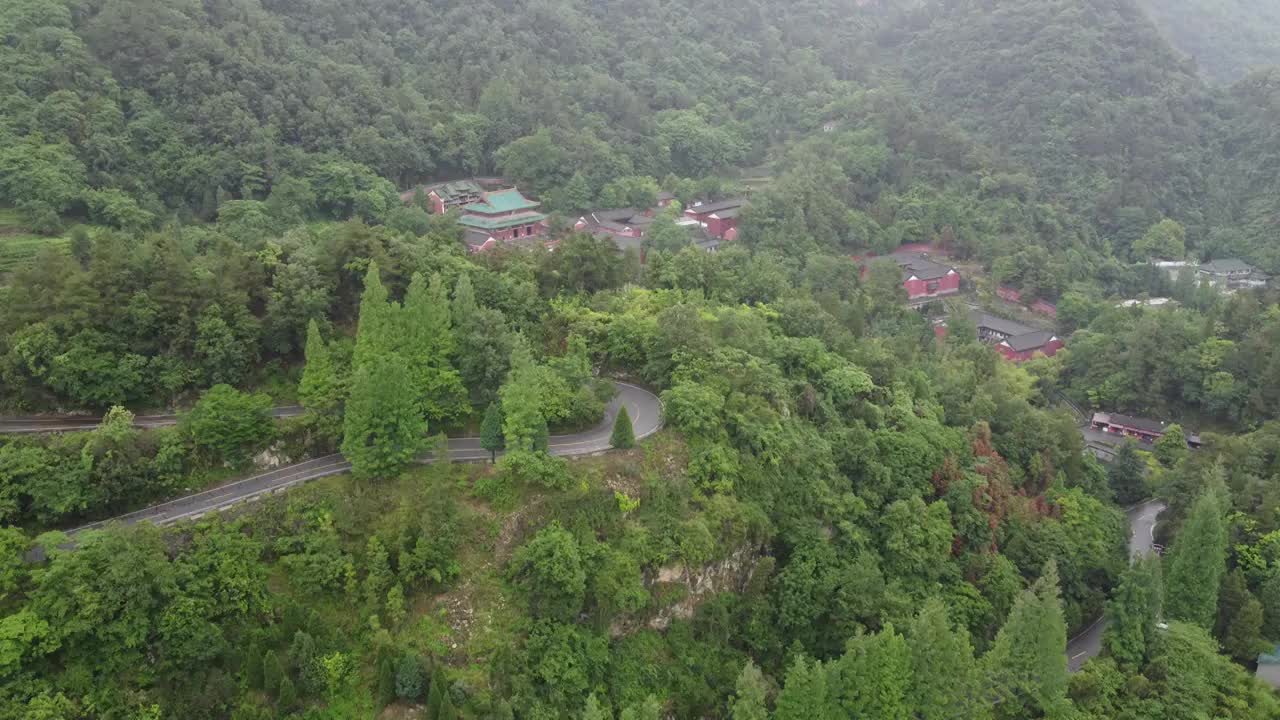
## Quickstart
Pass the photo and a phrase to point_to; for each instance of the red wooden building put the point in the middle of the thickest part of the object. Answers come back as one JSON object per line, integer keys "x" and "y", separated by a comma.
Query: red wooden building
{"x": 1012, "y": 339}
{"x": 718, "y": 217}
{"x": 1020, "y": 348}
{"x": 924, "y": 278}
{"x": 1141, "y": 429}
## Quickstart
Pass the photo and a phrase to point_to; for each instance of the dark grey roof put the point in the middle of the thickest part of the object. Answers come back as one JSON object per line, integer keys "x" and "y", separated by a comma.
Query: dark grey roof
{"x": 920, "y": 266}
{"x": 622, "y": 241}
{"x": 1004, "y": 326}
{"x": 1227, "y": 266}
{"x": 614, "y": 214}
{"x": 730, "y": 213}
{"x": 707, "y": 208}
{"x": 925, "y": 270}
{"x": 1151, "y": 426}
{"x": 475, "y": 238}
{"x": 1029, "y": 341}
{"x": 664, "y": 195}
{"x": 614, "y": 227}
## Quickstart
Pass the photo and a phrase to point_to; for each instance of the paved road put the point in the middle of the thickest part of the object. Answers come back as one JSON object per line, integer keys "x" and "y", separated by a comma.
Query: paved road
{"x": 36, "y": 424}
{"x": 642, "y": 405}
{"x": 1142, "y": 529}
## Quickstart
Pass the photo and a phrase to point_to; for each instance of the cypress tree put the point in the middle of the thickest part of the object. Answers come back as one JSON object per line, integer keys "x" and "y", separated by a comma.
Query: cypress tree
{"x": 1197, "y": 562}
{"x": 378, "y": 577}
{"x": 593, "y": 710}
{"x": 804, "y": 696}
{"x": 1132, "y": 613}
{"x": 375, "y": 334}
{"x": 623, "y": 437}
{"x": 425, "y": 340}
{"x": 447, "y": 711}
{"x": 395, "y": 604}
{"x": 286, "y": 696}
{"x": 944, "y": 675}
{"x": 522, "y": 421}
{"x": 542, "y": 436}
{"x": 1232, "y": 595}
{"x": 464, "y": 304}
{"x": 649, "y": 709}
{"x": 272, "y": 671}
{"x": 409, "y": 678}
{"x": 1171, "y": 447}
{"x": 1243, "y": 640}
{"x": 750, "y": 694}
{"x": 435, "y": 695}
{"x": 319, "y": 391}
{"x": 383, "y": 429}
{"x": 386, "y": 688}
{"x": 1026, "y": 664}
{"x": 1126, "y": 474}
{"x": 1269, "y": 596}
{"x": 302, "y": 655}
{"x": 491, "y": 431}
{"x": 253, "y": 668}
{"x": 872, "y": 678}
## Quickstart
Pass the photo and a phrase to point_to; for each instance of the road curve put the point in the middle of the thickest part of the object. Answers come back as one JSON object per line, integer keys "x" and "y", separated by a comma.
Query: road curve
{"x": 1142, "y": 529}
{"x": 38, "y": 424}
{"x": 643, "y": 406}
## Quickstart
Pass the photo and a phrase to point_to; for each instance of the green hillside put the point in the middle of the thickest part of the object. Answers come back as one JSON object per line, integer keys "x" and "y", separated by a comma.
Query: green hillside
{"x": 853, "y": 503}
{"x": 1226, "y": 38}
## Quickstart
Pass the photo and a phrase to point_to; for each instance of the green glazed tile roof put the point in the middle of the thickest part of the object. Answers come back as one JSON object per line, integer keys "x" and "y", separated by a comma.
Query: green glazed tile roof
{"x": 493, "y": 223}
{"x": 458, "y": 188}
{"x": 500, "y": 202}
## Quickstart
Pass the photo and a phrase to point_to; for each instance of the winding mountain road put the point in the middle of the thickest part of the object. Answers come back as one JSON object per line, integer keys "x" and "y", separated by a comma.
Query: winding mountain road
{"x": 1142, "y": 538}
{"x": 643, "y": 406}
{"x": 37, "y": 424}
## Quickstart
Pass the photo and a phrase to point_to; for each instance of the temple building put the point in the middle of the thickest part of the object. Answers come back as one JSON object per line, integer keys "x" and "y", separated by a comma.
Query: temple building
{"x": 504, "y": 215}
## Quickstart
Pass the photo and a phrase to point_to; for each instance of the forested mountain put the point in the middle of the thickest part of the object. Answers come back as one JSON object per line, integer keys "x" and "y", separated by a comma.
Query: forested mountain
{"x": 1084, "y": 94}
{"x": 1226, "y": 38}
{"x": 849, "y": 512}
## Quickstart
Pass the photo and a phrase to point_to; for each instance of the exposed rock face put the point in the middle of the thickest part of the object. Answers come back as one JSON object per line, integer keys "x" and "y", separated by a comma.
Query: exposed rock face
{"x": 272, "y": 458}
{"x": 693, "y": 586}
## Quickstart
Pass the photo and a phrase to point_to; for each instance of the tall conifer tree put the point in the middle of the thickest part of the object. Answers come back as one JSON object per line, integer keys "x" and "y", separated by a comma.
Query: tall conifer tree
{"x": 1133, "y": 612}
{"x": 1197, "y": 563}
{"x": 491, "y": 430}
{"x": 321, "y": 389}
{"x": 804, "y": 695}
{"x": 1026, "y": 664}
{"x": 750, "y": 695}
{"x": 944, "y": 676}
{"x": 426, "y": 341}
{"x": 523, "y": 424}
{"x": 623, "y": 436}
{"x": 376, "y": 332}
{"x": 383, "y": 429}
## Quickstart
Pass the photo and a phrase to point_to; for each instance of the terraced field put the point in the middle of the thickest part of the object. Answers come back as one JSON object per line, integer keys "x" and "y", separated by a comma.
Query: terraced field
{"x": 18, "y": 245}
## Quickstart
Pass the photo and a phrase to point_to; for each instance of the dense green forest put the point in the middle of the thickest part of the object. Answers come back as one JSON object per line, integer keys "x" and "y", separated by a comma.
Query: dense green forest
{"x": 1226, "y": 38}
{"x": 844, "y": 517}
